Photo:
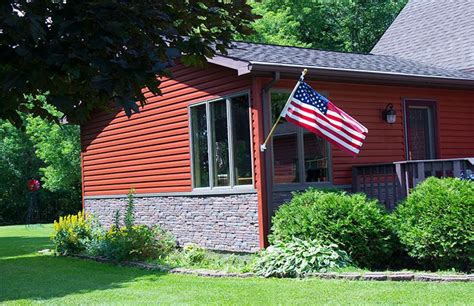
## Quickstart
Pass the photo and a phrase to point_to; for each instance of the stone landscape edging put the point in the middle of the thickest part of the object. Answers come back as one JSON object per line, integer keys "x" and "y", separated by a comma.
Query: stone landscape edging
{"x": 360, "y": 276}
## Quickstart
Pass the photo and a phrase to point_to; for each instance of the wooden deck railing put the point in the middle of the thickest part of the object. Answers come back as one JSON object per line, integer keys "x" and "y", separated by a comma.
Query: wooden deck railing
{"x": 378, "y": 182}
{"x": 390, "y": 183}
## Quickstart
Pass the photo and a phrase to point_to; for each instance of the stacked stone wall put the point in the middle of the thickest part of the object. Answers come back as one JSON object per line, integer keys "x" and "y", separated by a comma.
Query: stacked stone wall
{"x": 223, "y": 222}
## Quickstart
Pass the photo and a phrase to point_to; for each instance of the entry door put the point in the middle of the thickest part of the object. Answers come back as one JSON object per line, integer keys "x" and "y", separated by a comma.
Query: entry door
{"x": 420, "y": 130}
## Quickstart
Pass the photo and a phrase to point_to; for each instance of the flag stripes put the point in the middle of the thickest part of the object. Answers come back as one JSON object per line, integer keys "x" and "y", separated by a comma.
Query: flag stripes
{"x": 315, "y": 113}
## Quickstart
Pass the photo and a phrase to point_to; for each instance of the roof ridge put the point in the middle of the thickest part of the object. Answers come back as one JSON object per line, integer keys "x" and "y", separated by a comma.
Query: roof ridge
{"x": 298, "y": 47}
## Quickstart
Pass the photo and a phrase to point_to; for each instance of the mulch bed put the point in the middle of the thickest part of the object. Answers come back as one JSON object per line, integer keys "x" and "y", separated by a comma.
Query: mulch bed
{"x": 364, "y": 276}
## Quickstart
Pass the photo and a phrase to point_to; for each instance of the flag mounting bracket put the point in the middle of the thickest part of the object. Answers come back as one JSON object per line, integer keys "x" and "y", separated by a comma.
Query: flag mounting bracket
{"x": 263, "y": 146}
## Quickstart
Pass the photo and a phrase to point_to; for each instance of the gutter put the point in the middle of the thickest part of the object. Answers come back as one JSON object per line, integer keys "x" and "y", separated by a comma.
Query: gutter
{"x": 259, "y": 65}
{"x": 343, "y": 74}
{"x": 381, "y": 77}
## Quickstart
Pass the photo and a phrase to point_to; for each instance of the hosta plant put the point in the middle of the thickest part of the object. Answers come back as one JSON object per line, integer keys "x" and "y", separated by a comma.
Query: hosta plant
{"x": 299, "y": 257}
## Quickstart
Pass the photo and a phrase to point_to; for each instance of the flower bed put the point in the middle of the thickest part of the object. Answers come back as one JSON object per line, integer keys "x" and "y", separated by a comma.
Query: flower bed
{"x": 349, "y": 276}
{"x": 318, "y": 233}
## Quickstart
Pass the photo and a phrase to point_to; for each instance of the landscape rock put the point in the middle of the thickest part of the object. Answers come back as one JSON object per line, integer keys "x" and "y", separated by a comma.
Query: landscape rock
{"x": 428, "y": 277}
{"x": 374, "y": 276}
{"x": 400, "y": 276}
{"x": 349, "y": 275}
{"x": 368, "y": 276}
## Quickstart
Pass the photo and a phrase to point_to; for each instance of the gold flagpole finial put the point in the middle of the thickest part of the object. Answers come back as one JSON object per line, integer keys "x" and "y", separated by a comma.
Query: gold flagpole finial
{"x": 303, "y": 73}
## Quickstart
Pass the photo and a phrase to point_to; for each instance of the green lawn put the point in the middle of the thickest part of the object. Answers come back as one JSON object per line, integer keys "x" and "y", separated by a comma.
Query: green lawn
{"x": 28, "y": 277}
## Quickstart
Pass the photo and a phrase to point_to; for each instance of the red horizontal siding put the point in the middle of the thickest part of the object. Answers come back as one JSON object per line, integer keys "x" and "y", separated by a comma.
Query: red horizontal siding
{"x": 455, "y": 117}
{"x": 150, "y": 151}
{"x": 385, "y": 142}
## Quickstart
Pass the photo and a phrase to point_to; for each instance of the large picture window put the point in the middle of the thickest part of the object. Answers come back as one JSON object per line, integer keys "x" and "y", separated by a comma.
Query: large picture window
{"x": 299, "y": 156}
{"x": 221, "y": 146}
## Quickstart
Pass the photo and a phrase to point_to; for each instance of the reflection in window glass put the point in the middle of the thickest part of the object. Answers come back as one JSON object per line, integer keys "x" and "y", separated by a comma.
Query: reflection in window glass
{"x": 229, "y": 161}
{"x": 199, "y": 140}
{"x": 287, "y": 140}
{"x": 220, "y": 143}
{"x": 241, "y": 140}
{"x": 285, "y": 144}
{"x": 285, "y": 159}
{"x": 315, "y": 158}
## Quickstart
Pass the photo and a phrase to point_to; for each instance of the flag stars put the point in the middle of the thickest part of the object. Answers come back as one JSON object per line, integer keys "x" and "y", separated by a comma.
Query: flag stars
{"x": 306, "y": 94}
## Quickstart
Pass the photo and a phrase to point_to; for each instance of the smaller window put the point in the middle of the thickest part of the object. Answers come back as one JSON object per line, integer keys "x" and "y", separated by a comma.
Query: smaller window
{"x": 285, "y": 144}
{"x": 241, "y": 140}
{"x": 200, "y": 149}
{"x": 221, "y": 157}
{"x": 299, "y": 156}
{"x": 315, "y": 158}
{"x": 219, "y": 143}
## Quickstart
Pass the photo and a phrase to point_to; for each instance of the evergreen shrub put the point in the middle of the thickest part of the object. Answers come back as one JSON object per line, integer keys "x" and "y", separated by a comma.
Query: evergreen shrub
{"x": 356, "y": 224}
{"x": 436, "y": 223}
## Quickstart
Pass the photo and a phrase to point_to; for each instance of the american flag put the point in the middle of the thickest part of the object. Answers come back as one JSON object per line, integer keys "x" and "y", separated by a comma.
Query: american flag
{"x": 314, "y": 112}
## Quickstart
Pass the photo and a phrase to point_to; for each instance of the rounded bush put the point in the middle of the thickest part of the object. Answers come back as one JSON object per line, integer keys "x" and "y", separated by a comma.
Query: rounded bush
{"x": 436, "y": 222}
{"x": 357, "y": 225}
{"x": 138, "y": 242}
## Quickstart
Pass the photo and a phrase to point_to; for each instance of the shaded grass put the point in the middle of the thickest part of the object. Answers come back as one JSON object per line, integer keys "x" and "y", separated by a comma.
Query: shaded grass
{"x": 27, "y": 277}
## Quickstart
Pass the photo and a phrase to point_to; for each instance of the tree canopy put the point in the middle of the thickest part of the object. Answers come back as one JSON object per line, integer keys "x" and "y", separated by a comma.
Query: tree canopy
{"x": 43, "y": 150}
{"x": 338, "y": 25}
{"x": 84, "y": 54}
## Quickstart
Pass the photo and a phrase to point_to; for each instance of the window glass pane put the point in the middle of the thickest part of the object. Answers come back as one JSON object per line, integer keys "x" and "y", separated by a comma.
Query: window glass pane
{"x": 315, "y": 158}
{"x": 420, "y": 133}
{"x": 241, "y": 140}
{"x": 285, "y": 144}
{"x": 220, "y": 143}
{"x": 199, "y": 138}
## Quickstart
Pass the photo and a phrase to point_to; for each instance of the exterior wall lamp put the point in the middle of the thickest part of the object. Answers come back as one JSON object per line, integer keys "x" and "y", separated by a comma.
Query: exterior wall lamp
{"x": 389, "y": 114}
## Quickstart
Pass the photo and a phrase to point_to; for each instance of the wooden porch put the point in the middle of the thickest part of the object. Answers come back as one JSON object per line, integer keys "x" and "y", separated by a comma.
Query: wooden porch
{"x": 390, "y": 183}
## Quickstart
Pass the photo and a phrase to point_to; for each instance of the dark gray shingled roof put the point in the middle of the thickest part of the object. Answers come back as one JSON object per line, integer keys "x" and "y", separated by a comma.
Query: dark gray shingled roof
{"x": 311, "y": 58}
{"x": 439, "y": 33}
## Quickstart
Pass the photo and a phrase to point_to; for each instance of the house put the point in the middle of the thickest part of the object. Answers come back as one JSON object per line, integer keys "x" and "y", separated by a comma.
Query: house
{"x": 438, "y": 33}
{"x": 193, "y": 154}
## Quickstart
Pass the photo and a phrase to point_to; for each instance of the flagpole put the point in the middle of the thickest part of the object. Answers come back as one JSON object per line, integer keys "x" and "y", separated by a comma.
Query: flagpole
{"x": 263, "y": 147}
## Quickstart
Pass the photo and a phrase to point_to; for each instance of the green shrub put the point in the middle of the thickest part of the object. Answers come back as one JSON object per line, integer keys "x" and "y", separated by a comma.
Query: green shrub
{"x": 129, "y": 218}
{"x": 131, "y": 242}
{"x": 138, "y": 242}
{"x": 299, "y": 258}
{"x": 164, "y": 241}
{"x": 71, "y": 234}
{"x": 357, "y": 225}
{"x": 194, "y": 254}
{"x": 435, "y": 223}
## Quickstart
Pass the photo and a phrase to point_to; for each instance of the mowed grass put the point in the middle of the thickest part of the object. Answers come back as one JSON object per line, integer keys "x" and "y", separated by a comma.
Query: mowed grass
{"x": 28, "y": 277}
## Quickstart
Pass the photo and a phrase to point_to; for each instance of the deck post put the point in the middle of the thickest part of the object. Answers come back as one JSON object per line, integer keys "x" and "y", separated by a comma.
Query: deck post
{"x": 457, "y": 168}
{"x": 355, "y": 180}
{"x": 421, "y": 174}
{"x": 401, "y": 180}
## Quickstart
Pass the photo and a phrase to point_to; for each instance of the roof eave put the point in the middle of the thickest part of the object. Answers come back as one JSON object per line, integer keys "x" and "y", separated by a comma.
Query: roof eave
{"x": 245, "y": 67}
{"x": 364, "y": 75}
{"x": 242, "y": 67}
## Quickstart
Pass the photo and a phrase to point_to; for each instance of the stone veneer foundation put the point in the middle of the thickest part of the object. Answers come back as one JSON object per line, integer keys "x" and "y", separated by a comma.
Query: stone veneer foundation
{"x": 219, "y": 222}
